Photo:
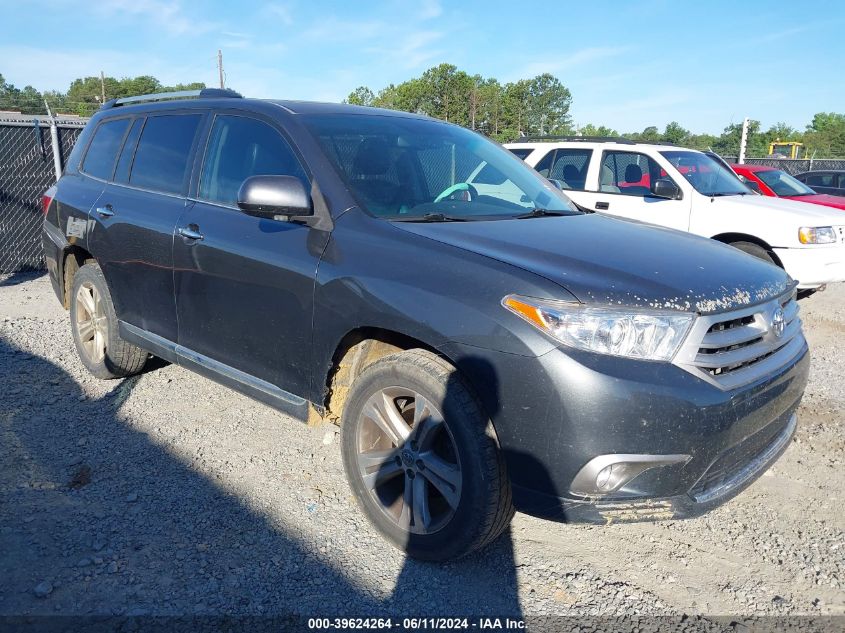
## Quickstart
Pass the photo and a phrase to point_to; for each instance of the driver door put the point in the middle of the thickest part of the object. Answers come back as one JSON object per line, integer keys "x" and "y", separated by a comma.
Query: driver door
{"x": 624, "y": 190}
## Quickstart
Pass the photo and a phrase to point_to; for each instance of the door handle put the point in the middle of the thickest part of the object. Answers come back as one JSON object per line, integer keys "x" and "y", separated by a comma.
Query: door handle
{"x": 105, "y": 212}
{"x": 602, "y": 206}
{"x": 191, "y": 232}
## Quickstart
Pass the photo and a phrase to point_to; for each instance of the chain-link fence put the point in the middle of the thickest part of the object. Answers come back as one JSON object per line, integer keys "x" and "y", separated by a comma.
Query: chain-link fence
{"x": 26, "y": 171}
{"x": 794, "y": 166}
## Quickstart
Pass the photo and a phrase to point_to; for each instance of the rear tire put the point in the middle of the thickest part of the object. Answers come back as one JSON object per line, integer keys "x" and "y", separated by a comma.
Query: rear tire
{"x": 394, "y": 463}
{"x": 756, "y": 250}
{"x": 95, "y": 331}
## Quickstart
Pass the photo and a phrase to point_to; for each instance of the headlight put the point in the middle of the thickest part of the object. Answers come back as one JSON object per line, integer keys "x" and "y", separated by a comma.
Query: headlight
{"x": 817, "y": 235}
{"x": 635, "y": 334}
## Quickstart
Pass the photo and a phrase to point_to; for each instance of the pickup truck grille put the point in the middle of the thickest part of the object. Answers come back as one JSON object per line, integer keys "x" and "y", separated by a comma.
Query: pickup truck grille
{"x": 736, "y": 348}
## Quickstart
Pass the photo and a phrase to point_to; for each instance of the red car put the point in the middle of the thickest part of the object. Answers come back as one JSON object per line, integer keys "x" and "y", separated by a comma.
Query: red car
{"x": 776, "y": 182}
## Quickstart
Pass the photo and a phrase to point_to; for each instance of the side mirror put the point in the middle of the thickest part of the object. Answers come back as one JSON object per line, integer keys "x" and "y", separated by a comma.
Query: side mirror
{"x": 274, "y": 197}
{"x": 558, "y": 183}
{"x": 664, "y": 188}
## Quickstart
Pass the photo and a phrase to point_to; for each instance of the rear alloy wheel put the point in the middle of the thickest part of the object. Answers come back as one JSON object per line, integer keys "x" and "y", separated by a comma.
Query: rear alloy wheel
{"x": 95, "y": 329}
{"x": 90, "y": 322}
{"x": 422, "y": 457}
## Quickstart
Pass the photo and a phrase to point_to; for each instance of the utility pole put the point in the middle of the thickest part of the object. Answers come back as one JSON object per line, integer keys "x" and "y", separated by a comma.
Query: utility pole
{"x": 743, "y": 142}
{"x": 102, "y": 88}
{"x": 220, "y": 66}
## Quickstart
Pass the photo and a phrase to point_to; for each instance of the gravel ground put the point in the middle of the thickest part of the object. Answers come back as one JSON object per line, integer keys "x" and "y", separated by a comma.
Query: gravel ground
{"x": 167, "y": 494}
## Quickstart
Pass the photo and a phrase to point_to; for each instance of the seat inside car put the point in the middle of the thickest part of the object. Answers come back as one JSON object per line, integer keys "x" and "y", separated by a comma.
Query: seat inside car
{"x": 634, "y": 176}
{"x": 606, "y": 183}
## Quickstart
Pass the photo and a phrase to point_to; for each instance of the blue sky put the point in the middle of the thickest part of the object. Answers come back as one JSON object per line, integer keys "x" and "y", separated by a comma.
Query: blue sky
{"x": 628, "y": 65}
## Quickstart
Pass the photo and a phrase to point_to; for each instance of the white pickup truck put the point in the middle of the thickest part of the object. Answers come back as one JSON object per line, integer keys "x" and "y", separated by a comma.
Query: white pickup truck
{"x": 687, "y": 190}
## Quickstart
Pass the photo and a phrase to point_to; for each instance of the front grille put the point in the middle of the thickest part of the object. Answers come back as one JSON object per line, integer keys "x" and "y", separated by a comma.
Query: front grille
{"x": 739, "y": 347}
{"x": 740, "y": 463}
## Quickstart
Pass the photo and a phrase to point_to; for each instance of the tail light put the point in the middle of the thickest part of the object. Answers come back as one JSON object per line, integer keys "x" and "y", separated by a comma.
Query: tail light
{"x": 47, "y": 199}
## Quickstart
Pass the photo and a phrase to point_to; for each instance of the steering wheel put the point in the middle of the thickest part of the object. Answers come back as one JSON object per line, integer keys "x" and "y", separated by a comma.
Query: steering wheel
{"x": 462, "y": 191}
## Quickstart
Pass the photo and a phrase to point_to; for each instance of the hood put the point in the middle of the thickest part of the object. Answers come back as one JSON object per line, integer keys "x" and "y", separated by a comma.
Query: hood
{"x": 805, "y": 214}
{"x": 837, "y": 202}
{"x": 607, "y": 261}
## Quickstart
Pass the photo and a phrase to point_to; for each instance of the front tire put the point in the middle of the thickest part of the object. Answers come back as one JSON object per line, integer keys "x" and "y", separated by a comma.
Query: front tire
{"x": 94, "y": 327}
{"x": 756, "y": 250}
{"x": 422, "y": 458}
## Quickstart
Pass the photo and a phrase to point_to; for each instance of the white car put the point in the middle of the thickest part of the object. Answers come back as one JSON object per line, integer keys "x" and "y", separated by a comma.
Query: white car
{"x": 687, "y": 190}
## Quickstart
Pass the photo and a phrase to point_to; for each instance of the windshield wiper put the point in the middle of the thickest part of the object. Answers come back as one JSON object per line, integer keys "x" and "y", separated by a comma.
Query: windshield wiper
{"x": 430, "y": 217}
{"x": 540, "y": 213}
{"x": 719, "y": 194}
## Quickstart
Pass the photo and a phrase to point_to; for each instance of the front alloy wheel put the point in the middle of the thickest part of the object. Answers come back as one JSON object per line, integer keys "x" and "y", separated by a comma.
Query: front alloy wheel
{"x": 407, "y": 460}
{"x": 422, "y": 457}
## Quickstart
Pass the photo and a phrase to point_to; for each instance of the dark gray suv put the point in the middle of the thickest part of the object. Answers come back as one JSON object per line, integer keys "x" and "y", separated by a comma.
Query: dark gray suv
{"x": 485, "y": 344}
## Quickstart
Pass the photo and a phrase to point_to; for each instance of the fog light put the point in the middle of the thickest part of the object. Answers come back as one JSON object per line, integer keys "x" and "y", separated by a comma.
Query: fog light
{"x": 608, "y": 473}
{"x": 603, "y": 478}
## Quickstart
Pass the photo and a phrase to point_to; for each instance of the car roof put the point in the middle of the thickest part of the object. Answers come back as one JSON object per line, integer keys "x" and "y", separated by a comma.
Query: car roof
{"x": 620, "y": 145}
{"x": 232, "y": 100}
{"x": 753, "y": 168}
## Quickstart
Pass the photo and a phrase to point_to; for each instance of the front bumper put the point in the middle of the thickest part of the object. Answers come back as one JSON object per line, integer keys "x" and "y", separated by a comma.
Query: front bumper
{"x": 814, "y": 266}
{"x": 556, "y": 413}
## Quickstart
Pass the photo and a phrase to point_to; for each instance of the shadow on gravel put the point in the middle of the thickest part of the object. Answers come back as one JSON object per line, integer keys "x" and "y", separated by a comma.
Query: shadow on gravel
{"x": 99, "y": 518}
{"x": 21, "y": 277}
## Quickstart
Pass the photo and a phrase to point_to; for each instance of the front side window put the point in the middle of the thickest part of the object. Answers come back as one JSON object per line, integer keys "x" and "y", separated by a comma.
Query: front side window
{"x": 102, "y": 153}
{"x": 240, "y": 147}
{"x": 628, "y": 173}
{"x": 405, "y": 168}
{"x": 782, "y": 183}
{"x": 161, "y": 160}
{"x": 707, "y": 176}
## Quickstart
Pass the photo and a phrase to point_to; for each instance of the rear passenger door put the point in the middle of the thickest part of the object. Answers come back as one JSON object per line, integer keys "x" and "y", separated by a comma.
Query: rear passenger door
{"x": 624, "y": 190}
{"x": 245, "y": 285}
{"x": 136, "y": 216}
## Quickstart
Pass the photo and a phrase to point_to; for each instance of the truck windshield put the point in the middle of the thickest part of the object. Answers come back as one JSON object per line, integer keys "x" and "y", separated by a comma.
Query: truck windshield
{"x": 783, "y": 184}
{"x": 404, "y": 168}
{"x": 707, "y": 176}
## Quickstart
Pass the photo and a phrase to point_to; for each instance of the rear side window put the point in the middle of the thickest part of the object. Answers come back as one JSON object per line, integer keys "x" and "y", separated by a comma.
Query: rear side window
{"x": 121, "y": 174}
{"x": 101, "y": 154}
{"x": 521, "y": 152}
{"x": 821, "y": 180}
{"x": 161, "y": 160}
{"x": 240, "y": 147}
{"x": 570, "y": 167}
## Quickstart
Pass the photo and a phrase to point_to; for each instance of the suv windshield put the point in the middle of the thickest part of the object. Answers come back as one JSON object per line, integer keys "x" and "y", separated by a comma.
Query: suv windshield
{"x": 705, "y": 174}
{"x": 403, "y": 168}
{"x": 783, "y": 184}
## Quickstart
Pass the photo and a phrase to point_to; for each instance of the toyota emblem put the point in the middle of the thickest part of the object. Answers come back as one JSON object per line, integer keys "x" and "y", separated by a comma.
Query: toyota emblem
{"x": 778, "y": 322}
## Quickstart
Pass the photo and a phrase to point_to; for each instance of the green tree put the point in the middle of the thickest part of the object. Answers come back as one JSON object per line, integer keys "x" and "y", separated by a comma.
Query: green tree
{"x": 675, "y": 133}
{"x": 362, "y": 96}
{"x": 549, "y": 102}
{"x": 592, "y": 130}
{"x": 825, "y": 136}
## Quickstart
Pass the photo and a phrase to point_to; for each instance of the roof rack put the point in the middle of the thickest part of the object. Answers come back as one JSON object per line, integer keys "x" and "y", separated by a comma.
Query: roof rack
{"x": 588, "y": 139}
{"x": 204, "y": 93}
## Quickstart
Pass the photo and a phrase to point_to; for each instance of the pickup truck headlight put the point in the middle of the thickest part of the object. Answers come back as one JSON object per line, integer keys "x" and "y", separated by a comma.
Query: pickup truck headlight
{"x": 638, "y": 334}
{"x": 817, "y": 235}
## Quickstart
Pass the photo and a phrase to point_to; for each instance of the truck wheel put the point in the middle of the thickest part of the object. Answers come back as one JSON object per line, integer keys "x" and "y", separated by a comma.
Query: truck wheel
{"x": 422, "y": 458}
{"x": 756, "y": 250}
{"x": 94, "y": 326}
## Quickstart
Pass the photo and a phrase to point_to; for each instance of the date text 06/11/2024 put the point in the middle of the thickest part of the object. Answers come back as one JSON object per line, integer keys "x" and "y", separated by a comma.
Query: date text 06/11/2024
{"x": 415, "y": 624}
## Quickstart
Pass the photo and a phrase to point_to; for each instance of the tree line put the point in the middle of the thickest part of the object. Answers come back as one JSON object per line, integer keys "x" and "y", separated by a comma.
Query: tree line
{"x": 84, "y": 95}
{"x": 538, "y": 106}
